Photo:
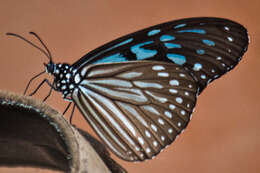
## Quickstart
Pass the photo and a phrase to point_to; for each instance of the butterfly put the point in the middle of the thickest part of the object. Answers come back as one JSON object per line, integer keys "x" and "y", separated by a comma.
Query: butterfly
{"x": 138, "y": 92}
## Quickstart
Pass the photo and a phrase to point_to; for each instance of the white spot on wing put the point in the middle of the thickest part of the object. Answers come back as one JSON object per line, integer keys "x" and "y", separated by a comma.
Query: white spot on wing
{"x": 179, "y": 100}
{"x": 168, "y": 114}
{"x": 163, "y": 74}
{"x": 68, "y": 75}
{"x": 71, "y": 86}
{"x": 154, "y": 127}
{"x": 155, "y": 143}
{"x": 174, "y": 82}
{"x": 219, "y": 58}
{"x": 226, "y": 28}
{"x": 174, "y": 91}
{"x": 182, "y": 75}
{"x": 172, "y": 107}
{"x": 170, "y": 130}
{"x": 141, "y": 141}
{"x": 77, "y": 78}
{"x": 197, "y": 67}
{"x": 230, "y": 39}
{"x": 203, "y": 76}
{"x": 63, "y": 87}
{"x": 148, "y": 150}
{"x": 162, "y": 138}
{"x": 158, "y": 68}
{"x": 161, "y": 121}
{"x": 147, "y": 134}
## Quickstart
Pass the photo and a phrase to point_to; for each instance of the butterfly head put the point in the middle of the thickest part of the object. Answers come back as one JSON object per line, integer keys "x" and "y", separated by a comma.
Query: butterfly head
{"x": 50, "y": 67}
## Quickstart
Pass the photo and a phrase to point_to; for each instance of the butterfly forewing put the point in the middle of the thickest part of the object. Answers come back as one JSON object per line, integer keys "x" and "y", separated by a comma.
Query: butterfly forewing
{"x": 137, "y": 108}
{"x": 208, "y": 47}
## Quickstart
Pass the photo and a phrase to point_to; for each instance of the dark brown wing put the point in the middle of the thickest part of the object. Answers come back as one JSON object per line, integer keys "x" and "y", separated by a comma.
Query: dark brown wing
{"x": 209, "y": 47}
{"x": 136, "y": 108}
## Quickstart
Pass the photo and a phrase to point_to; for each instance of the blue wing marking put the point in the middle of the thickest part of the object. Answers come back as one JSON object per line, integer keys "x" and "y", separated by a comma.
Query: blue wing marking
{"x": 123, "y": 42}
{"x": 167, "y": 38}
{"x": 209, "y": 42}
{"x": 142, "y": 53}
{"x": 172, "y": 45}
{"x": 176, "y": 58}
{"x": 197, "y": 67}
{"x": 153, "y": 32}
{"x": 112, "y": 58}
{"x": 179, "y": 26}
{"x": 197, "y": 31}
{"x": 200, "y": 51}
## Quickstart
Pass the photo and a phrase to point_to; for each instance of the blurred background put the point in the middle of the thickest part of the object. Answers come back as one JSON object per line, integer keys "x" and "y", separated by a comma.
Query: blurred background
{"x": 224, "y": 134}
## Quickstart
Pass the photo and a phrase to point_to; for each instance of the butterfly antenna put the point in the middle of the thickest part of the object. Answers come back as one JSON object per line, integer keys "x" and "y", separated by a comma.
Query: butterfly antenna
{"x": 38, "y": 37}
{"x": 37, "y": 47}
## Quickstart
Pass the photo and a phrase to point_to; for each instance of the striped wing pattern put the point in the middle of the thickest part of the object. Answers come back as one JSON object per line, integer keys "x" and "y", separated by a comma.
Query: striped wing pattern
{"x": 208, "y": 47}
{"x": 137, "y": 108}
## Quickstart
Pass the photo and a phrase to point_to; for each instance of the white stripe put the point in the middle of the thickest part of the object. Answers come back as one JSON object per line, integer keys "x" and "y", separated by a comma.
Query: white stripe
{"x": 75, "y": 97}
{"x": 160, "y": 99}
{"x": 137, "y": 96}
{"x": 113, "y": 82}
{"x": 147, "y": 84}
{"x": 83, "y": 71}
{"x": 133, "y": 112}
{"x": 109, "y": 105}
{"x": 130, "y": 75}
{"x": 151, "y": 109}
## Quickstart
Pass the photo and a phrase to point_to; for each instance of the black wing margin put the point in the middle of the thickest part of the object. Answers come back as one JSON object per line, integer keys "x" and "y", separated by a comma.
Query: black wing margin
{"x": 208, "y": 47}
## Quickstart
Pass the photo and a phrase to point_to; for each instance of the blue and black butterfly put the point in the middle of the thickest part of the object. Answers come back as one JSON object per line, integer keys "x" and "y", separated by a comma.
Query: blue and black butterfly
{"x": 138, "y": 92}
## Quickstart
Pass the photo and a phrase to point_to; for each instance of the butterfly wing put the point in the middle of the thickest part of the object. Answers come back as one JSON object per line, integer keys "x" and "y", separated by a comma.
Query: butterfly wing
{"x": 208, "y": 47}
{"x": 136, "y": 108}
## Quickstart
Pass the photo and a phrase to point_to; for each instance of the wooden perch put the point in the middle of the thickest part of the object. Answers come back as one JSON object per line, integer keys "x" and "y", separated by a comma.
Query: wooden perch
{"x": 33, "y": 134}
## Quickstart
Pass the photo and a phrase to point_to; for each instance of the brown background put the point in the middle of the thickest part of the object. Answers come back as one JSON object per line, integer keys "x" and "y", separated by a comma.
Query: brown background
{"x": 224, "y": 134}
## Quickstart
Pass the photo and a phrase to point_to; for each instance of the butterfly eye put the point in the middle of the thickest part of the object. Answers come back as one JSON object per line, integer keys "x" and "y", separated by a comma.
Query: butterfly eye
{"x": 50, "y": 67}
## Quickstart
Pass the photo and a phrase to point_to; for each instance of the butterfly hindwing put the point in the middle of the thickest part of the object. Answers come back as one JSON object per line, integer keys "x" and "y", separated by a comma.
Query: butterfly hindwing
{"x": 137, "y": 108}
{"x": 208, "y": 47}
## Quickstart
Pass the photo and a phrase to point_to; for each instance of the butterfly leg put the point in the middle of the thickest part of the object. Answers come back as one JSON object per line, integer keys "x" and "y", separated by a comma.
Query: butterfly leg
{"x": 39, "y": 86}
{"x": 27, "y": 86}
{"x": 72, "y": 112}
{"x": 52, "y": 87}
{"x": 66, "y": 108}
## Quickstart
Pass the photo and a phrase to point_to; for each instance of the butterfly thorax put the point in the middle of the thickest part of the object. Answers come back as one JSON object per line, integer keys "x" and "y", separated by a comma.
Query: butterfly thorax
{"x": 65, "y": 78}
